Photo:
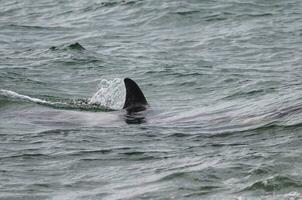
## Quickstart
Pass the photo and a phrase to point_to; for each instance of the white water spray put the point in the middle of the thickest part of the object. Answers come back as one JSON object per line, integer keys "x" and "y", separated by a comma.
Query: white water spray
{"x": 15, "y": 95}
{"x": 110, "y": 94}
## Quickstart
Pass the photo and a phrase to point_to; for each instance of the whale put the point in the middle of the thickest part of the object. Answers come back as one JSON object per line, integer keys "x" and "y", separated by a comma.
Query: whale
{"x": 39, "y": 114}
{"x": 135, "y": 100}
{"x": 135, "y": 103}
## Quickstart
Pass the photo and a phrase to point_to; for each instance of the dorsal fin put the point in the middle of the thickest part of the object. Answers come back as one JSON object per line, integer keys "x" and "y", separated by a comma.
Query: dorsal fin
{"x": 135, "y": 99}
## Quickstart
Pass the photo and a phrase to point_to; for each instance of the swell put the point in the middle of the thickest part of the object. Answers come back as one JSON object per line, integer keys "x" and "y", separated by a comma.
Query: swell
{"x": 275, "y": 183}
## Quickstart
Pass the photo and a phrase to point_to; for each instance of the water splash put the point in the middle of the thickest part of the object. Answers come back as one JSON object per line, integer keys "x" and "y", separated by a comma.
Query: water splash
{"x": 110, "y": 94}
{"x": 15, "y": 95}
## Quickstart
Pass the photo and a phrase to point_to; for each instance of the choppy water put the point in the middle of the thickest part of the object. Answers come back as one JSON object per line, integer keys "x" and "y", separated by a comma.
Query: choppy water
{"x": 223, "y": 79}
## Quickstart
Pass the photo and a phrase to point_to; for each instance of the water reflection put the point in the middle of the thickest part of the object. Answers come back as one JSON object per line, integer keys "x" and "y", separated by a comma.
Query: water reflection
{"x": 135, "y": 117}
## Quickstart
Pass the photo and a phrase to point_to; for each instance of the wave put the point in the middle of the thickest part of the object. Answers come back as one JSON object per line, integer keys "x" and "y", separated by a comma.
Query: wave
{"x": 275, "y": 183}
{"x": 74, "y": 46}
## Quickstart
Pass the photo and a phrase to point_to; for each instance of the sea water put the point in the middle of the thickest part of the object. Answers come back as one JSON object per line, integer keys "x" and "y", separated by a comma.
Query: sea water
{"x": 222, "y": 78}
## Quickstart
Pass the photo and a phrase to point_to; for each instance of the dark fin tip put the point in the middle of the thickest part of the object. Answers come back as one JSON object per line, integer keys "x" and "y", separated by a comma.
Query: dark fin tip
{"x": 135, "y": 99}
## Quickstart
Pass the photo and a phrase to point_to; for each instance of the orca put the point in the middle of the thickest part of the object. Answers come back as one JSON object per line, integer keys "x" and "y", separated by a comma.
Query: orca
{"x": 135, "y": 99}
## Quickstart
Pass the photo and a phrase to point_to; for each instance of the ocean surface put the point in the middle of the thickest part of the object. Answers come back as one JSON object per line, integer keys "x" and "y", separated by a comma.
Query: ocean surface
{"x": 223, "y": 79}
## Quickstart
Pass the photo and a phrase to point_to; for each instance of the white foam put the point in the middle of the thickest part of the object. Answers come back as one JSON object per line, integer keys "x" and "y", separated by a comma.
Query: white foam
{"x": 273, "y": 196}
{"x": 110, "y": 94}
{"x": 11, "y": 94}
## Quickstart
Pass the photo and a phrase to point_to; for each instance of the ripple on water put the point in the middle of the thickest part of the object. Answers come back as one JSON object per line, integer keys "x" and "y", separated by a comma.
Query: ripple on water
{"x": 222, "y": 78}
{"x": 276, "y": 183}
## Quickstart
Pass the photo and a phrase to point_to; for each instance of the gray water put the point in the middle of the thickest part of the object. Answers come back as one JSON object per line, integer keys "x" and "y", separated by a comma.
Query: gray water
{"x": 223, "y": 80}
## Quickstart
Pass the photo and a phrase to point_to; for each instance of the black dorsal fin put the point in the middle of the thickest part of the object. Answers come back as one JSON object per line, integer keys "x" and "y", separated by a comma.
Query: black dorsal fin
{"x": 135, "y": 99}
